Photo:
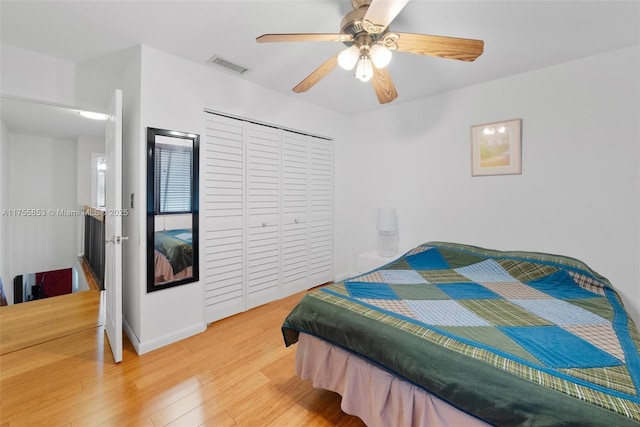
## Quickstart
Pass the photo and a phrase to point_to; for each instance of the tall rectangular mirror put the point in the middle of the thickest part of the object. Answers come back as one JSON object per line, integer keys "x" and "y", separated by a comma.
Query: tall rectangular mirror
{"x": 172, "y": 208}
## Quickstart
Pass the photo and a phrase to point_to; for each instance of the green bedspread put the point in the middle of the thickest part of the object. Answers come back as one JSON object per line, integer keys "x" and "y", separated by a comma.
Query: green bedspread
{"x": 513, "y": 338}
{"x": 177, "y": 246}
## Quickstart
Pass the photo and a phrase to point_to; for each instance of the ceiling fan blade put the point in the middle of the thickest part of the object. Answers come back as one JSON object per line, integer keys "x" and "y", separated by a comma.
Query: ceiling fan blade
{"x": 444, "y": 47}
{"x": 381, "y": 13}
{"x": 317, "y": 75}
{"x": 304, "y": 37}
{"x": 383, "y": 85}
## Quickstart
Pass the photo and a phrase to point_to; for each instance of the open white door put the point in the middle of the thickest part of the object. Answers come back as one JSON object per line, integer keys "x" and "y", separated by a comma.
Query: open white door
{"x": 113, "y": 227}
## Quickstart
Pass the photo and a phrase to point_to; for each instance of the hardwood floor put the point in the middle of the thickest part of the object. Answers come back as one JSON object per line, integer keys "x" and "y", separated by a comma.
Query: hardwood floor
{"x": 34, "y": 322}
{"x": 236, "y": 373}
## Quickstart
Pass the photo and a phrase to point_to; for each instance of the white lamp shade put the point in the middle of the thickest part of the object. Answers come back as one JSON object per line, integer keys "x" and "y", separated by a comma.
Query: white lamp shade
{"x": 387, "y": 232}
{"x": 348, "y": 57}
{"x": 387, "y": 219}
{"x": 380, "y": 55}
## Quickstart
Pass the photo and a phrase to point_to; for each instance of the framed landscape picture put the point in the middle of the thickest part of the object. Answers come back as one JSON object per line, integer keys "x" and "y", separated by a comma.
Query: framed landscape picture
{"x": 496, "y": 148}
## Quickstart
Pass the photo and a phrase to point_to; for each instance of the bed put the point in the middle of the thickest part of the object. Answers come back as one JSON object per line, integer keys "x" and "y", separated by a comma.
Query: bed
{"x": 452, "y": 334}
{"x": 173, "y": 257}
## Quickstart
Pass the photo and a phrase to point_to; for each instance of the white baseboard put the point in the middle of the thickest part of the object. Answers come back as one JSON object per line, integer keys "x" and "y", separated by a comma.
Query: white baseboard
{"x": 147, "y": 346}
{"x": 131, "y": 335}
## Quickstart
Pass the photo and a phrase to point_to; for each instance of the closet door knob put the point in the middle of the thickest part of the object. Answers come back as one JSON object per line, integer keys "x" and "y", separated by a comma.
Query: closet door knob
{"x": 264, "y": 224}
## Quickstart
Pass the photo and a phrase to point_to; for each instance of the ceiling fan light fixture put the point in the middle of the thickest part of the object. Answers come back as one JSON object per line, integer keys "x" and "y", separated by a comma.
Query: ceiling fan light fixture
{"x": 348, "y": 58}
{"x": 364, "y": 69}
{"x": 93, "y": 115}
{"x": 369, "y": 44}
{"x": 380, "y": 55}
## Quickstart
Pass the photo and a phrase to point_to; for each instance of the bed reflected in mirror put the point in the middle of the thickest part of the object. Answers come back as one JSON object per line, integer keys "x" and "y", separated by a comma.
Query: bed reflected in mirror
{"x": 172, "y": 208}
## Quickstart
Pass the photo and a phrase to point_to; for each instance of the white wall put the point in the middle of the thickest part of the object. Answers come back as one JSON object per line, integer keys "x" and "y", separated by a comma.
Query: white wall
{"x": 173, "y": 96}
{"x": 97, "y": 78}
{"x": 579, "y": 192}
{"x": 32, "y": 75}
{"x": 88, "y": 85}
{"x": 133, "y": 173}
{"x": 5, "y": 139}
{"x": 42, "y": 175}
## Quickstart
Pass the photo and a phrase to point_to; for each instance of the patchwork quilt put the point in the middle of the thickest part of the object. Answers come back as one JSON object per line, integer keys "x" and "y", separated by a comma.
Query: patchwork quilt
{"x": 513, "y": 338}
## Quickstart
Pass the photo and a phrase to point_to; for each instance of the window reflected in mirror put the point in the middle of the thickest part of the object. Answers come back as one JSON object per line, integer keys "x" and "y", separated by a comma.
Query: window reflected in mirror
{"x": 172, "y": 208}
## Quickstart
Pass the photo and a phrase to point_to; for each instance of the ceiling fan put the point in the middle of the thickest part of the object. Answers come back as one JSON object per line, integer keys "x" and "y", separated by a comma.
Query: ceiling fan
{"x": 366, "y": 31}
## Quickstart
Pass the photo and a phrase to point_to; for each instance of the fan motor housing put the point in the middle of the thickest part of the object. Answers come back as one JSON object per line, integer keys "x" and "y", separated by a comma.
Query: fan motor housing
{"x": 352, "y": 23}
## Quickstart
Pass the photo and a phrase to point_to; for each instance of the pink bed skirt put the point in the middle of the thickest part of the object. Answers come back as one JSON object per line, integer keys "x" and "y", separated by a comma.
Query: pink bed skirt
{"x": 373, "y": 394}
{"x": 164, "y": 270}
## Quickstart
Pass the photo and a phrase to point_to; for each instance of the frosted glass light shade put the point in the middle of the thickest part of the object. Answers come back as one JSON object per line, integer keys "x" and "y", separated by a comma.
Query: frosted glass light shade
{"x": 347, "y": 58}
{"x": 93, "y": 116}
{"x": 387, "y": 232}
{"x": 380, "y": 55}
{"x": 364, "y": 70}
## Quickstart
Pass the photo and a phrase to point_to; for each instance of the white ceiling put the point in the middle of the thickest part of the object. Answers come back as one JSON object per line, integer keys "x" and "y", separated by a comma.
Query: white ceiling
{"x": 518, "y": 35}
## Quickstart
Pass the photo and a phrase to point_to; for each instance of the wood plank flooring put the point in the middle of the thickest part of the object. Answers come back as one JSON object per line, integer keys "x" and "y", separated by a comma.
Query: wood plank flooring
{"x": 34, "y": 322}
{"x": 236, "y": 373}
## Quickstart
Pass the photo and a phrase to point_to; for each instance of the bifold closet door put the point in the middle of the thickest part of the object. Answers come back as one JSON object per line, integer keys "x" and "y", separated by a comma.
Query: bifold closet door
{"x": 295, "y": 205}
{"x": 221, "y": 215}
{"x": 263, "y": 214}
{"x": 320, "y": 211}
{"x": 267, "y": 214}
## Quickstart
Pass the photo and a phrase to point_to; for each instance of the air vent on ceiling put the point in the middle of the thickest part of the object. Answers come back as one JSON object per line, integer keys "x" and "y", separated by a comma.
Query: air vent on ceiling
{"x": 216, "y": 60}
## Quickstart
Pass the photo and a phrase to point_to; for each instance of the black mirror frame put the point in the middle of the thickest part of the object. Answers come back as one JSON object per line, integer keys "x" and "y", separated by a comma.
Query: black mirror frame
{"x": 151, "y": 137}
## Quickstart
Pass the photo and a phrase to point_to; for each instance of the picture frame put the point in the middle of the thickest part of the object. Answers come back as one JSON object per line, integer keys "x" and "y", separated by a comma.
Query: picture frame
{"x": 496, "y": 148}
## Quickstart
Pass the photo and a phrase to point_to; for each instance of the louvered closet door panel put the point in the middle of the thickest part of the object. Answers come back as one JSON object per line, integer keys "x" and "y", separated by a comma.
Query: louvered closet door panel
{"x": 295, "y": 267}
{"x": 223, "y": 157}
{"x": 263, "y": 171}
{"x": 321, "y": 210}
{"x": 224, "y": 272}
{"x": 222, "y": 216}
{"x": 295, "y": 204}
{"x": 295, "y": 181}
{"x": 321, "y": 251}
{"x": 321, "y": 176}
{"x": 263, "y": 214}
{"x": 263, "y": 262}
